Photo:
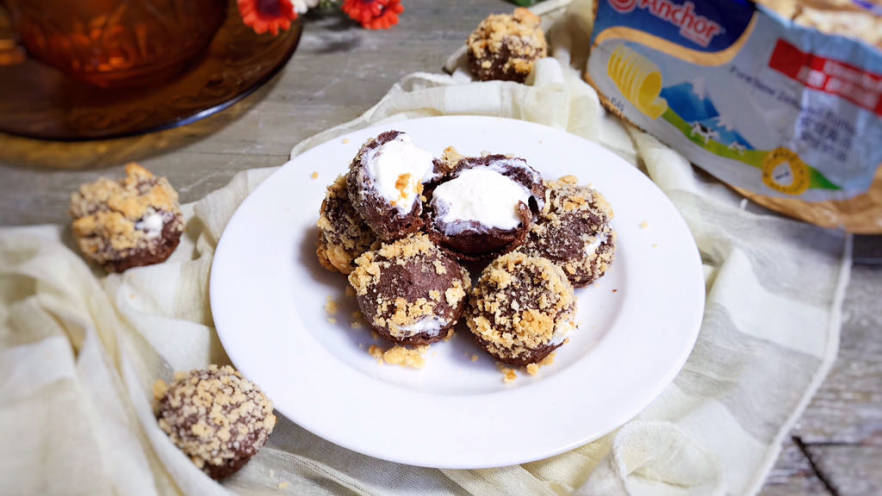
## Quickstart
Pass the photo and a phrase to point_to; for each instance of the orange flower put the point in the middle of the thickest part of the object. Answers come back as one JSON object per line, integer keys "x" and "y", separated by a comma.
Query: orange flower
{"x": 267, "y": 15}
{"x": 374, "y": 14}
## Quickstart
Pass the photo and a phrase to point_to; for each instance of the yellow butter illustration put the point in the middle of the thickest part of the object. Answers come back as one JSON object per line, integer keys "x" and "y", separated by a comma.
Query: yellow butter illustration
{"x": 639, "y": 80}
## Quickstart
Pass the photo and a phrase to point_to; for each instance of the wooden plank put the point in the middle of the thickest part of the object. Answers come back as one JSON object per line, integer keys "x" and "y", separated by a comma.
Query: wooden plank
{"x": 848, "y": 406}
{"x": 792, "y": 475}
{"x": 851, "y": 470}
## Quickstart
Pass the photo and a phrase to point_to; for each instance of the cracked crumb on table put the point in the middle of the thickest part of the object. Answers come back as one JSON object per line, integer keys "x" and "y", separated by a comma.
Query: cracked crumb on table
{"x": 314, "y": 175}
{"x": 644, "y": 225}
{"x": 331, "y": 306}
{"x": 399, "y": 355}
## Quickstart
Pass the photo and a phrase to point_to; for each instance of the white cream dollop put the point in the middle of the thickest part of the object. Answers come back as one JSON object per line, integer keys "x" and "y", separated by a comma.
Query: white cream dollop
{"x": 482, "y": 195}
{"x": 151, "y": 224}
{"x": 398, "y": 168}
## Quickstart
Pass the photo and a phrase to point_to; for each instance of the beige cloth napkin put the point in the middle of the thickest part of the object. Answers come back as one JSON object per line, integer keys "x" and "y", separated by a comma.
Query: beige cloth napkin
{"x": 79, "y": 351}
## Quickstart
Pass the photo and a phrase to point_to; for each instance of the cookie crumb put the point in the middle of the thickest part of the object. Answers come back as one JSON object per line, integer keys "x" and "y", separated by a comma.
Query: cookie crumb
{"x": 345, "y": 141}
{"x": 449, "y": 335}
{"x": 644, "y": 225}
{"x": 314, "y": 175}
{"x": 547, "y": 360}
{"x": 355, "y": 324}
{"x": 615, "y": 291}
{"x": 474, "y": 358}
{"x": 376, "y": 352}
{"x": 331, "y": 306}
{"x": 508, "y": 375}
{"x": 405, "y": 357}
{"x": 532, "y": 369}
{"x": 401, "y": 356}
{"x": 332, "y": 320}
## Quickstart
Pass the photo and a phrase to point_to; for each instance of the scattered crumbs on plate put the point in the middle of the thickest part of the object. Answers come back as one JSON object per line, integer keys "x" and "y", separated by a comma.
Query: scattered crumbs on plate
{"x": 314, "y": 175}
{"x": 332, "y": 320}
{"x": 283, "y": 484}
{"x": 508, "y": 374}
{"x": 644, "y": 225}
{"x": 655, "y": 245}
{"x": 356, "y": 320}
{"x": 331, "y": 306}
{"x": 345, "y": 141}
{"x": 548, "y": 360}
{"x": 350, "y": 292}
{"x": 533, "y": 368}
{"x": 474, "y": 358}
{"x": 376, "y": 352}
{"x": 401, "y": 356}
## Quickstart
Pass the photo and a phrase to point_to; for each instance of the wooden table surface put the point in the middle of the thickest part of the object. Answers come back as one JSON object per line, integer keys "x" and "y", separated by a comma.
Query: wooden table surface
{"x": 338, "y": 72}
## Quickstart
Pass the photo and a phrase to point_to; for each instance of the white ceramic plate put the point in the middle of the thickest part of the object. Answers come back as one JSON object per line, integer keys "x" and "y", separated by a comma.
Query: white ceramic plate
{"x": 638, "y": 323}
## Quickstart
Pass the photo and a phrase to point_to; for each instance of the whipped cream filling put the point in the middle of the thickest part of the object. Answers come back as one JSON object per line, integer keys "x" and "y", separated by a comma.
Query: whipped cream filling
{"x": 430, "y": 325}
{"x": 592, "y": 247}
{"x": 560, "y": 332}
{"x": 481, "y": 195}
{"x": 151, "y": 224}
{"x": 398, "y": 169}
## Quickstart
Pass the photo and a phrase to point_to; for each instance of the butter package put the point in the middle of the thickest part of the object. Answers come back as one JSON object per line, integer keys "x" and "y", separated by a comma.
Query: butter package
{"x": 763, "y": 97}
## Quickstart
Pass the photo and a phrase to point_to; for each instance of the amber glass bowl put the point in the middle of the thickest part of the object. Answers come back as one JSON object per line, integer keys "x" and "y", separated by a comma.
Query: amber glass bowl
{"x": 124, "y": 81}
{"x": 113, "y": 43}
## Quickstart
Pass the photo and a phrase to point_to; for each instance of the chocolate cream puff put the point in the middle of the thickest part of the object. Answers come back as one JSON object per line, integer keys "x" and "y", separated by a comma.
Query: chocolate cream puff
{"x": 485, "y": 207}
